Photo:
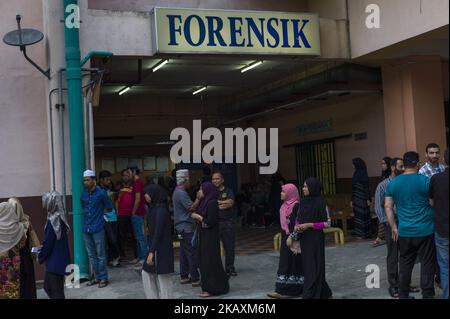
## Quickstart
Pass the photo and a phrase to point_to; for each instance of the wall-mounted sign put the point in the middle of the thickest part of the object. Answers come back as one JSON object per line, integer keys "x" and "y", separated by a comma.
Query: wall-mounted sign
{"x": 239, "y": 32}
{"x": 314, "y": 127}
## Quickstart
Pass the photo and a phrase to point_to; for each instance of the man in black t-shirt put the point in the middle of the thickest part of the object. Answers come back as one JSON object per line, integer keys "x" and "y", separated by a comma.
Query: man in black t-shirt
{"x": 439, "y": 195}
{"x": 226, "y": 223}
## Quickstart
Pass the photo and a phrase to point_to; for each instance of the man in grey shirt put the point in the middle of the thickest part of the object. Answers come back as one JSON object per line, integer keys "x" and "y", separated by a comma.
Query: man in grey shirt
{"x": 185, "y": 227}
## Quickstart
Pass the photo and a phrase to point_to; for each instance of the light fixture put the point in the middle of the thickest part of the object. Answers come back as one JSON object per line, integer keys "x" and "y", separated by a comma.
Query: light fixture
{"x": 166, "y": 143}
{"x": 160, "y": 65}
{"x": 199, "y": 90}
{"x": 125, "y": 90}
{"x": 251, "y": 66}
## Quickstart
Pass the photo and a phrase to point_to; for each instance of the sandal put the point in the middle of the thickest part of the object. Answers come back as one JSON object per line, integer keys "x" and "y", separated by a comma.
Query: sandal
{"x": 274, "y": 295}
{"x": 92, "y": 282}
{"x": 204, "y": 294}
{"x": 378, "y": 242}
{"x": 103, "y": 284}
{"x": 414, "y": 289}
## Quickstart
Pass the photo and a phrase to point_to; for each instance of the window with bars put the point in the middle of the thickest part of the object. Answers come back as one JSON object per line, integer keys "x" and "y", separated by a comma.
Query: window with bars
{"x": 317, "y": 160}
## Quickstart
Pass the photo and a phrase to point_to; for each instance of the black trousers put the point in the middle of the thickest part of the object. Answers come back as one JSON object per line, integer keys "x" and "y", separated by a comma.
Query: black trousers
{"x": 410, "y": 249}
{"x": 54, "y": 286}
{"x": 112, "y": 239}
{"x": 392, "y": 258}
{"x": 189, "y": 258}
{"x": 228, "y": 238}
{"x": 127, "y": 241}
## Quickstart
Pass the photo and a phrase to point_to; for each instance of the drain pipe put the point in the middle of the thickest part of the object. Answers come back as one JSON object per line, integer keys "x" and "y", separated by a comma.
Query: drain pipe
{"x": 61, "y": 108}
{"x": 52, "y": 143}
{"x": 74, "y": 99}
{"x": 349, "y": 40}
{"x": 91, "y": 132}
{"x": 87, "y": 124}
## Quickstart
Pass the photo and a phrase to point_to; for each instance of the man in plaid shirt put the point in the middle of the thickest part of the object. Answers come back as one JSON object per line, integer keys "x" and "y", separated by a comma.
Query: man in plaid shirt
{"x": 432, "y": 166}
{"x": 429, "y": 169}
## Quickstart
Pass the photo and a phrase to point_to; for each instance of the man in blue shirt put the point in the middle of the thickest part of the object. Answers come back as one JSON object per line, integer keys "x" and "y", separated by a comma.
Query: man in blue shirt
{"x": 111, "y": 228}
{"x": 95, "y": 203}
{"x": 415, "y": 232}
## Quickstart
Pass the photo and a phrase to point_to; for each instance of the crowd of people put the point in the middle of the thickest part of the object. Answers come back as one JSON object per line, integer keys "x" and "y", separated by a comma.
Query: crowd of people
{"x": 135, "y": 223}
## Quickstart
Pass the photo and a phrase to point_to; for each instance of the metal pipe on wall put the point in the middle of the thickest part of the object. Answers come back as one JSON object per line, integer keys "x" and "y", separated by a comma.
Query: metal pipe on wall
{"x": 52, "y": 144}
{"x": 61, "y": 108}
{"x": 91, "y": 133}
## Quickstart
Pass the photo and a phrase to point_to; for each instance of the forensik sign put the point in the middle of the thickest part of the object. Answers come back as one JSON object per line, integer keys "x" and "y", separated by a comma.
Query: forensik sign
{"x": 235, "y": 32}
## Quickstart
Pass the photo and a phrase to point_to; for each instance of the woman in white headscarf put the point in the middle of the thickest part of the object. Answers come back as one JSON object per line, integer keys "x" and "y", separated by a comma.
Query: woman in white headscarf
{"x": 12, "y": 239}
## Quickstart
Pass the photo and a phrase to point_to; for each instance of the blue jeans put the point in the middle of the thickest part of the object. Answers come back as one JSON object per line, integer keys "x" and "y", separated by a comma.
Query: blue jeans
{"x": 141, "y": 242}
{"x": 442, "y": 257}
{"x": 96, "y": 250}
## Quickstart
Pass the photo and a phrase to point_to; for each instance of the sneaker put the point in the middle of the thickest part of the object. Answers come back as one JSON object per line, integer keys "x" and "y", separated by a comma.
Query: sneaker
{"x": 196, "y": 283}
{"x": 103, "y": 283}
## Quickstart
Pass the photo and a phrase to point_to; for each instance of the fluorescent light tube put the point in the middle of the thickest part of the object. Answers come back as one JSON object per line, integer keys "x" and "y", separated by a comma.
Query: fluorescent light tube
{"x": 199, "y": 90}
{"x": 159, "y": 66}
{"x": 125, "y": 90}
{"x": 251, "y": 66}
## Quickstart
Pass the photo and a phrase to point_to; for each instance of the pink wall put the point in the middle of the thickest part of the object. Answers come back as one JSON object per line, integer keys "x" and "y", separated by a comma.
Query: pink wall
{"x": 24, "y": 156}
{"x": 414, "y": 104}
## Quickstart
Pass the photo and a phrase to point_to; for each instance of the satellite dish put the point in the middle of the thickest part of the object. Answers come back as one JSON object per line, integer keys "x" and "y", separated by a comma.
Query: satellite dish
{"x": 23, "y": 37}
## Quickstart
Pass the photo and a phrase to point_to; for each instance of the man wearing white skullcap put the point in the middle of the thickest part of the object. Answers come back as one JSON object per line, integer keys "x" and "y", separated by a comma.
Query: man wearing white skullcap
{"x": 95, "y": 203}
{"x": 185, "y": 227}
{"x": 89, "y": 173}
{"x": 182, "y": 176}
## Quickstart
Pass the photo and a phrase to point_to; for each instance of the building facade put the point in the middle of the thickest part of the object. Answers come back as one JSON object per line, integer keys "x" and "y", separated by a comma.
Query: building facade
{"x": 369, "y": 92}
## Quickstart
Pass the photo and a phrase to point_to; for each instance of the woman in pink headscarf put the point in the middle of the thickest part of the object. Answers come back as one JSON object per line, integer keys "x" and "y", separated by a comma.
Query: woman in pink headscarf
{"x": 289, "y": 282}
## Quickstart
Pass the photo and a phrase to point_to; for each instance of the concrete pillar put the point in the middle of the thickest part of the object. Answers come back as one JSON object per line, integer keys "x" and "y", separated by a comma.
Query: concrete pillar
{"x": 413, "y": 104}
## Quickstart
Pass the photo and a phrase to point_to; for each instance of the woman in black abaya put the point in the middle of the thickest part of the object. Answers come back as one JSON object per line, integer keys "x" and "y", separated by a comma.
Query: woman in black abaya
{"x": 213, "y": 277}
{"x": 311, "y": 220}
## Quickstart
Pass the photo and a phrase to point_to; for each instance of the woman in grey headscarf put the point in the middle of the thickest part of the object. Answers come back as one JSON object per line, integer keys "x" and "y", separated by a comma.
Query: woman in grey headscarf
{"x": 52, "y": 202}
{"x": 12, "y": 239}
{"x": 55, "y": 248}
